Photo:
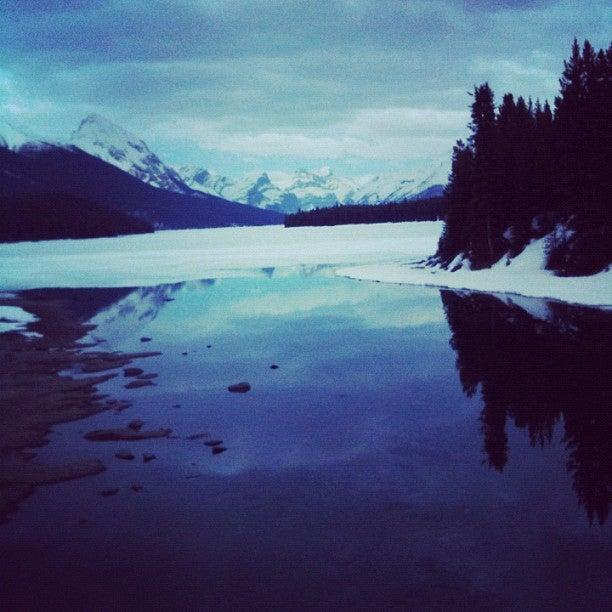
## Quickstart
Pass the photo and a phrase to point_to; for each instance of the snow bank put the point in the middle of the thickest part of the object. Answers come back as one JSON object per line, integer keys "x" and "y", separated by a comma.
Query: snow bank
{"x": 379, "y": 251}
{"x": 174, "y": 256}
{"x": 524, "y": 275}
{"x": 13, "y": 318}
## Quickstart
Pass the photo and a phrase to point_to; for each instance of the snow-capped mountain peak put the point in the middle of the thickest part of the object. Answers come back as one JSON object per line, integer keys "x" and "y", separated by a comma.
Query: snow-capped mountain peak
{"x": 16, "y": 139}
{"x": 288, "y": 192}
{"x": 102, "y": 138}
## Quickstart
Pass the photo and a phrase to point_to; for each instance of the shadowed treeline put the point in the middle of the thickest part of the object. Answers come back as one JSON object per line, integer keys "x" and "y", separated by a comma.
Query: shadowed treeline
{"x": 529, "y": 170}
{"x": 538, "y": 372}
{"x": 427, "y": 209}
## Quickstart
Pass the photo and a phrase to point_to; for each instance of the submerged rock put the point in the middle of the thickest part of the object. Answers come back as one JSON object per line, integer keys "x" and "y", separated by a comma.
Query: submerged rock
{"x": 274, "y": 367}
{"x": 213, "y": 442}
{"x": 136, "y": 384}
{"x": 118, "y": 405}
{"x": 127, "y": 455}
{"x": 146, "y": 339}
{"x": 125, "y": 433}
{"x": 136, "y": 424}
{"x": 241, "y": 387}
{"x": 198, "y": 436}
{"x": 132, "y": 371}
{"x": 218, "y": 450}
{"x": 149, "y": 376}
{"x": 109, "y": 492}
{"x": 146, "y": 457}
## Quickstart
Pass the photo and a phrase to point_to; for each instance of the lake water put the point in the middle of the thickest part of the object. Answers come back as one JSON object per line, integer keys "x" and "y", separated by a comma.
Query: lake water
{"x": 414, "y": 449}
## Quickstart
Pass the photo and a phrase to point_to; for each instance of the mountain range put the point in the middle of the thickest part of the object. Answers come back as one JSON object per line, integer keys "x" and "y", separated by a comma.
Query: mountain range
{"x": 284, "y": 192}
{"x": 304, "y": 190}
{"x": 104, "y": 170}
{"x": 52, "y": 190}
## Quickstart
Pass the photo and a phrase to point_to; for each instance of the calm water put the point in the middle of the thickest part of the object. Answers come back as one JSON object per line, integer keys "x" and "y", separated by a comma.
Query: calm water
{"x": 415, "y": 449}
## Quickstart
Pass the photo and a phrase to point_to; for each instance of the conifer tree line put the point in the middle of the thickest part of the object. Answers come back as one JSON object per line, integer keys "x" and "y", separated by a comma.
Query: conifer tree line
{"x": 423, "y": 209}
{"x": 528, "y": 170}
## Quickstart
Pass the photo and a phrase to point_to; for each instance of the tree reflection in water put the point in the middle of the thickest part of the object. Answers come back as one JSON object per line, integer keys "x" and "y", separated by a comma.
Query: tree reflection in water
{"x": 537, "y": 369}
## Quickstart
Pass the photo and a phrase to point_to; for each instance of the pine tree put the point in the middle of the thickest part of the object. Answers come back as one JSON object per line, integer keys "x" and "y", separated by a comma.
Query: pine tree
{"x": 458, "y": 196}
{"x": 486, "y": 242}
{"x": 526, "y": 171}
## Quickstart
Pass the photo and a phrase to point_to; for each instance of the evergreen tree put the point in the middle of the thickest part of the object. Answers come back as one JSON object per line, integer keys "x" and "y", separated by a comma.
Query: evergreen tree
{"x": 526, "y": 171}
{"x": 485, "y": 217}
{"x": 458, "y": 195}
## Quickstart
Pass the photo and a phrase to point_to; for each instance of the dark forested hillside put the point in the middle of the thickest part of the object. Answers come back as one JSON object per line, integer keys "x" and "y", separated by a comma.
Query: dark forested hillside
{"x": 53, "y": 215}
{"x": 528, "y": 171}
{"x": 29, "y": 211}
{"x": 429, "y": 209}
{"x": 78, "y": 176}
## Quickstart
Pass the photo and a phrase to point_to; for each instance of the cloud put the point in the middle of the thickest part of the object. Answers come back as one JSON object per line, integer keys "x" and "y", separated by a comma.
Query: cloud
{"x": 505, "y": 5}
{"x": 375, "y": 79}
{"x": 510, "y": 74}
{"x": 376, "y": 133}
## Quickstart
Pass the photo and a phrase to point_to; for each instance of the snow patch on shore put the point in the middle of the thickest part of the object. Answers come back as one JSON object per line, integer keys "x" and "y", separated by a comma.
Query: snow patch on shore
{"x": 524, "y": 275}
{"x": 13, "y": 318}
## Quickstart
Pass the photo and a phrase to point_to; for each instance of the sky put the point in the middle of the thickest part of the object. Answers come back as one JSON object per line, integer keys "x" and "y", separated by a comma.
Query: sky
{"x": 362, "y": 86}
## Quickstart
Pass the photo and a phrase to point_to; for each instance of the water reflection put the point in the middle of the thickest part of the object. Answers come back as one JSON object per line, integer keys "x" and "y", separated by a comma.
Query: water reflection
{"x": 353, "y": 472}
{"x": 536, "y": 370}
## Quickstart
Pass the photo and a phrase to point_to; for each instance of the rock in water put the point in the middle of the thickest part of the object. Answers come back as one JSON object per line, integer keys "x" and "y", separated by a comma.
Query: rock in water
{"x": 198, "y": 436}
{"x": 136, "y": 384}
{"x": 146, "y": 457}
{"x": 213, "y": 442}
{"x": 136, "y": 424}
{"x": 241, "y": 387}
{"x": 109, "y": 492}
{"x": 218, "y": 450}
{"x": 125, "y": 433}
{"x": 127, "y": 455}
{"x": 132, "y": 371}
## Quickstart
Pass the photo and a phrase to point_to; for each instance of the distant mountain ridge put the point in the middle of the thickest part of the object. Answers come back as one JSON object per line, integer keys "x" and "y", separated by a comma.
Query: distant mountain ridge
{"x": 274, "y": 191}
{"x": 284, "y": 192}
{"x": 304, "y": 190}
{"x": 53, "y": 191}
{"x": 14, "y": 139}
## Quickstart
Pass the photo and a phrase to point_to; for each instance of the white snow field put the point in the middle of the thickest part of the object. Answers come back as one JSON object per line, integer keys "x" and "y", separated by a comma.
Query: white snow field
{"x": 384, "y": 252}
{"x": 174, "y": 256}
{"x": 524, "y": 275}
{"x": 13, "y": 318}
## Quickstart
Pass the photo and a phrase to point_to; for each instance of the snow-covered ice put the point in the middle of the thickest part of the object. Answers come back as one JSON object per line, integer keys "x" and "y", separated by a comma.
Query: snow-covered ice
{"x": 174, "y": 256}
{"x": 384, "y": 252}
{"x": 524, "y": 275}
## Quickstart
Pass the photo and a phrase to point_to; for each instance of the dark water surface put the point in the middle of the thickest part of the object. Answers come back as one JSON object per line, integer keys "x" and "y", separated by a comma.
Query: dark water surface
{"x": 415, "y": 449}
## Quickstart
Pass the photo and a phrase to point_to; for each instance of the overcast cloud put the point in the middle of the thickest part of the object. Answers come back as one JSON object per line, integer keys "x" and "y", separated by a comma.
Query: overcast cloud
{"x": 361, "y": 85}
